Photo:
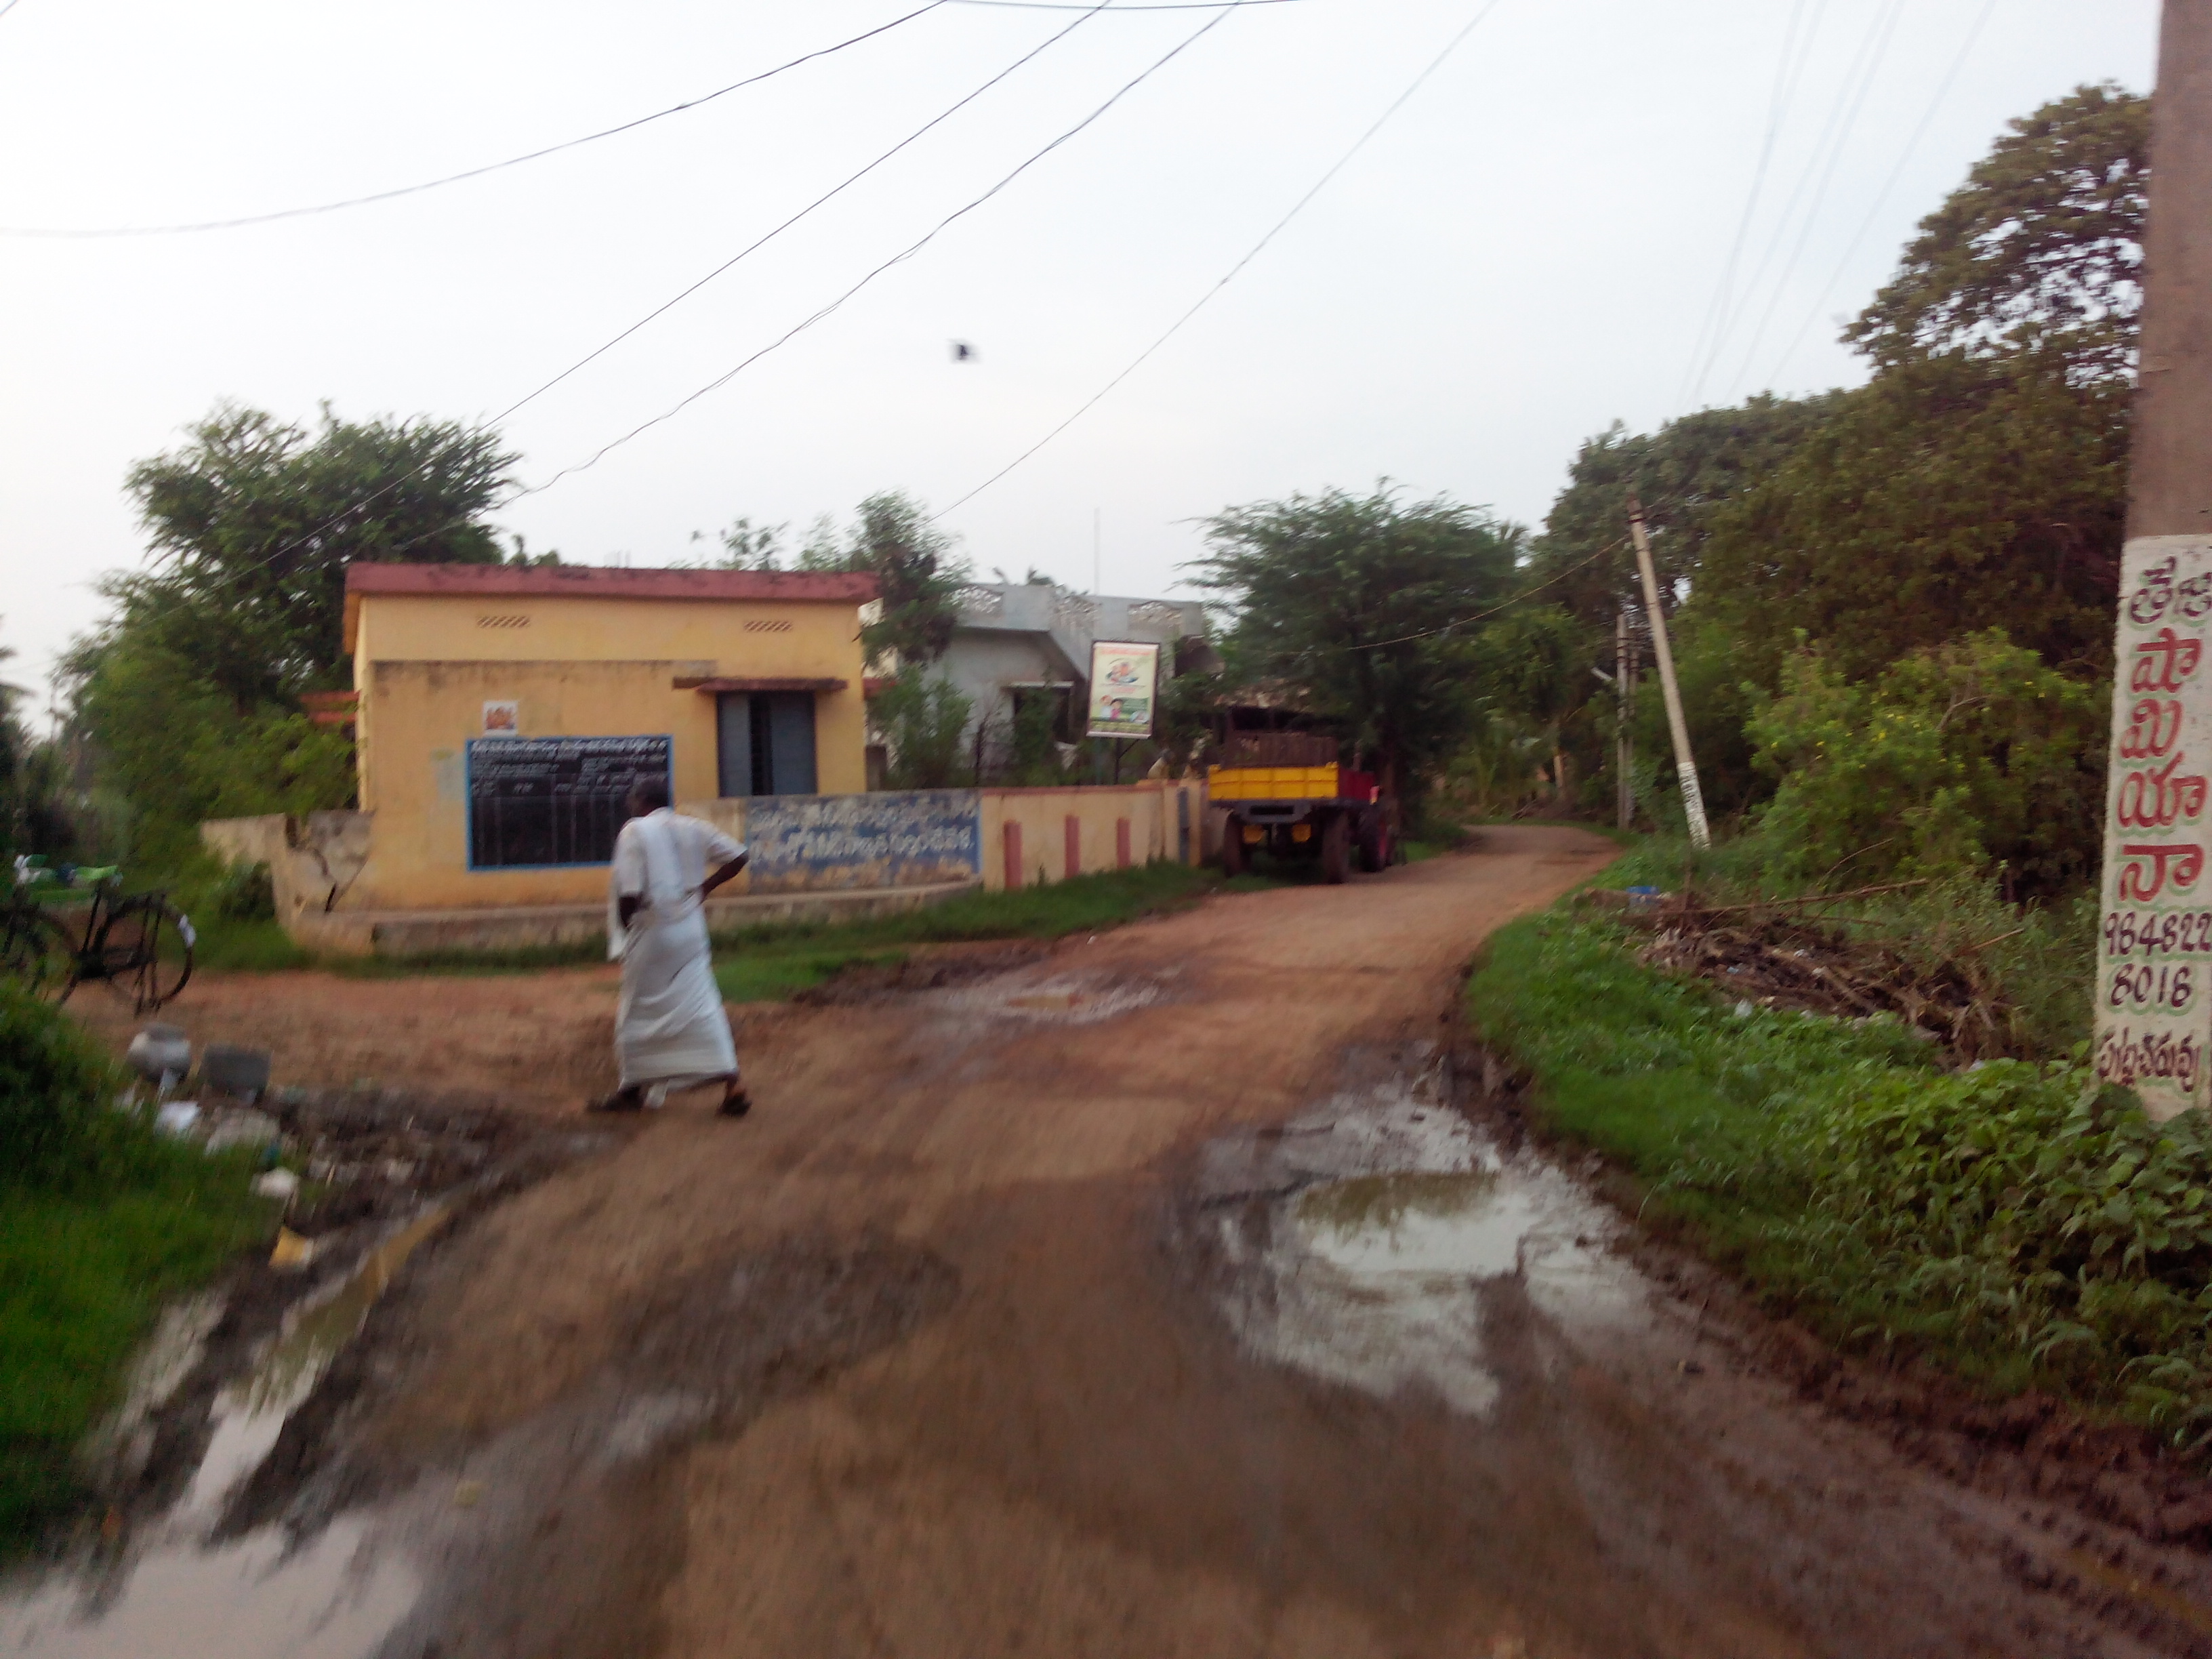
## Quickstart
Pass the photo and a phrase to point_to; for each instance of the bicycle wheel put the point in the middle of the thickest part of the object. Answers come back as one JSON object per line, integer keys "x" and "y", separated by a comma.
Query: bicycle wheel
{"x": 145, "y": 951}
{"x": 35, "y": 952}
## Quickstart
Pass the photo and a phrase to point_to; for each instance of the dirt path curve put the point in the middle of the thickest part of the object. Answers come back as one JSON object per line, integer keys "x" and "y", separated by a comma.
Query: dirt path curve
{"x": 980, "y": 1338}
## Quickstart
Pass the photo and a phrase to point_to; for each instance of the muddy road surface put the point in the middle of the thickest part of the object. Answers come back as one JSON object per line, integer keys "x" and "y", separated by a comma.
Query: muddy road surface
{"x": 1162, "y": 1296}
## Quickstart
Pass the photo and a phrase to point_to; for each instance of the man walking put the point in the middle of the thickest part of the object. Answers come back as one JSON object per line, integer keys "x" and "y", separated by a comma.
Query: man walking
{"x": 669, "y": 1029}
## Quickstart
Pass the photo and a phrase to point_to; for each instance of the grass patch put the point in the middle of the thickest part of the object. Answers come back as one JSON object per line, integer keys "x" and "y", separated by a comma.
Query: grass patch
{"x": 257, "y": 947}
{"x": 762, "y": 964}
{"x": 2016, "y": 1222}
{"x": 100, "y": 1221}
{"x": 82, "y": 1275}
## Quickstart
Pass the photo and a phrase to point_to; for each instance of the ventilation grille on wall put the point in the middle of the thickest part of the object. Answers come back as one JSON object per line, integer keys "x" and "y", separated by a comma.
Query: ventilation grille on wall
{"x": 768, "y": 626}
{"x": 503, "y": 621}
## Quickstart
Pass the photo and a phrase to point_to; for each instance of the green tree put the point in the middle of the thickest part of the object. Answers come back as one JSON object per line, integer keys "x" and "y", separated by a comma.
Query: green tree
{"x": 1955, "y": 756}
{"x": 1684, "y": 473}
{"x": 923, "y": 721}
{"x": 188, "y": 694}
{"x": 1950, "y": 495}
{"x": 918, "y": 574}
{"x": 1361, "y": 604}
{"x": 2039, "y": 252}
{"x": 1535, "y": 664}
{"x": 251, "y": 526}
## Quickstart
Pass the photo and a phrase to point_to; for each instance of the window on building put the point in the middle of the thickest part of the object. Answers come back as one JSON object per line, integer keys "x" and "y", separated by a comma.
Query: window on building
{"x": 765, "y": 743}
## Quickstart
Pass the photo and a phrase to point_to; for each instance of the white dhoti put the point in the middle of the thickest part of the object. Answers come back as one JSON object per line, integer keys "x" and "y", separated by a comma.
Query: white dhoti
{"x": 669, "y": 1029}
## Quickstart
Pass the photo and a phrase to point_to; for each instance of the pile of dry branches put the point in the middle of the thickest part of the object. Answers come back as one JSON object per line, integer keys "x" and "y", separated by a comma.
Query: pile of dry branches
{"x": 1796, "y": 953}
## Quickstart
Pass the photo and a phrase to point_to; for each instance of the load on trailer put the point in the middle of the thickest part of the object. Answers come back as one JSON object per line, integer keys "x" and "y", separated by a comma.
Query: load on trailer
{"x": 1286, "y": 792}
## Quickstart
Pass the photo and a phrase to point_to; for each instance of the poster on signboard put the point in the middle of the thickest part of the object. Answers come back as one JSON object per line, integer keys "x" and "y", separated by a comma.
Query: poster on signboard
{"x": 1124, "y": 685}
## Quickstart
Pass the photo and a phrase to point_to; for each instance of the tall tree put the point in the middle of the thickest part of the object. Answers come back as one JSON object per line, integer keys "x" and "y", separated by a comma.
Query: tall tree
{"x": 188, "y": 693}
{"x": 1362, "y": 602}
{"x": 2041, "y": 250}
{"x": 1684, "y": 473}
{"x": 918, "y": 573}
{"x": 252, "y": 524}
{"x": 1979, "y": 479}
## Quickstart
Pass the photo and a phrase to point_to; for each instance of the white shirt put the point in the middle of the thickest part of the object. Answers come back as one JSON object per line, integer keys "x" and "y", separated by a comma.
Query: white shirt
{"x": 663, "y": 859}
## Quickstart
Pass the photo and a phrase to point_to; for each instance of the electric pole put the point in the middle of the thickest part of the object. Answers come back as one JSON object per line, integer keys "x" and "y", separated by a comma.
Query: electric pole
{"x": 1624, "y": 745}
{"x": 1685, "y": 768}
{"x": 2154, "y": 1015}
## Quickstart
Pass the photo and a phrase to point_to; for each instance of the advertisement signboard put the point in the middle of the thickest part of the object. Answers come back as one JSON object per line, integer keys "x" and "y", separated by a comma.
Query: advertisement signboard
{"x": 2153, "y": 987}
{"x": 1125, "y": 681}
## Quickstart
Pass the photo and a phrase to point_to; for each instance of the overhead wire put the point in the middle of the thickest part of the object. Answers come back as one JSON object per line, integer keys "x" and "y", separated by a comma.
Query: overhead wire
{"x": 65, "y": 232}
{"x": 1786, "y": 219}
{"x": 1919, "y": 131}
{"x": 1137, "y": 362}
{"x": 759, "y": 242}
{"x": 1778, "y": 100}
{"x": 900, "y": 258}
{"x": 1886, "y": 28}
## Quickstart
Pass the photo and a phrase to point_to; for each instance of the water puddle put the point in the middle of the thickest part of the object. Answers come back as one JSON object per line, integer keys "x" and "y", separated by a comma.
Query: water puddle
{"x": 1375, "y": 1242}
{"x": 1064, "y": 1000}
{"x": 172, "y": 1594}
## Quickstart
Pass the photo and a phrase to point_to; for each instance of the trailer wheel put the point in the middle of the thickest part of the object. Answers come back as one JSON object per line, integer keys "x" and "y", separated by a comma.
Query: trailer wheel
{"x": 1233, "y": 859}
{"x": 1374, "y": 841}
{"x": 1335, "y": 848}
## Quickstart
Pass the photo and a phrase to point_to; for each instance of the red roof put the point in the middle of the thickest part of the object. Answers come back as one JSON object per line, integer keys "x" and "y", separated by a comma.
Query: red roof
{"x": 593, "y": 581}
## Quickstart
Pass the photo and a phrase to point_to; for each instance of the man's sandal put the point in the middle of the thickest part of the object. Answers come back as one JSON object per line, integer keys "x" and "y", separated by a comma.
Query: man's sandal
{"x": 736, "y": 1102}
{"x": 623, "y": 1100}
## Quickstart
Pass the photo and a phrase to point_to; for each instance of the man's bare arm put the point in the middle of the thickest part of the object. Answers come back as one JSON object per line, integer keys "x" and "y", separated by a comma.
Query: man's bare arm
{"x": 726, "y": 873}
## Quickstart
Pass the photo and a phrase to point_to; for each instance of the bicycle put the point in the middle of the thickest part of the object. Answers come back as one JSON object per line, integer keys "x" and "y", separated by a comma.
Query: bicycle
{"x": 139, "y": 944}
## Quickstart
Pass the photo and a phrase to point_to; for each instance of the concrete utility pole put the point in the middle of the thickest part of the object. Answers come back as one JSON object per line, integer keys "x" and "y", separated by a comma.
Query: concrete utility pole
{"x": 1624, "y": 745}
{"x": 2154, "y": 1003}
{"x": 1685, "y": 768}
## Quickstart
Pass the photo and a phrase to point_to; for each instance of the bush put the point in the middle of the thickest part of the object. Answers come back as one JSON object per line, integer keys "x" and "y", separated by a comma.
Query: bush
{"x": 924, "y": 721}
{"x": 1956, "y": 758}
{"x": 55, "y": 1086}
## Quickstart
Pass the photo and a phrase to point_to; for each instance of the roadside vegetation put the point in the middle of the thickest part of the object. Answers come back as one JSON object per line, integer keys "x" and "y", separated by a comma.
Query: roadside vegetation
{"x": 2011, "y": 1220}
{"x": 100, "y": 1221}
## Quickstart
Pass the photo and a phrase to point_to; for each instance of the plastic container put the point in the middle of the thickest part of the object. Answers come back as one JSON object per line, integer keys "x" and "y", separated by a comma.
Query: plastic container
{"x": 243, "y": 1072}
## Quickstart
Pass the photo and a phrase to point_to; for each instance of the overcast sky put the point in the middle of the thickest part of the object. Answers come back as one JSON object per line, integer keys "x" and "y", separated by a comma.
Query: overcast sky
{"x": 1531, "y": 248}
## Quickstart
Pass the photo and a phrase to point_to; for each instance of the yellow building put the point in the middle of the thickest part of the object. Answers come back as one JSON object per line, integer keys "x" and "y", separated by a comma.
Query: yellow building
{"x": 502, "y": 711}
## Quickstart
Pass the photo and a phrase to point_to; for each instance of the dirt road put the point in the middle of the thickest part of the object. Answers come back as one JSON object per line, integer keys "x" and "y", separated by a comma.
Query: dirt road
{"x": 1149, "y": 1300}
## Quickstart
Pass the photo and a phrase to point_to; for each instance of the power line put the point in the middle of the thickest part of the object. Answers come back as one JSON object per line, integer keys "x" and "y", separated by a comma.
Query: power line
{"x": 1888, "y": 28}
{"x": 1785, "y": 89}
{"x": 472, "y": 172}
{"x": 759, "y": 242}
{"x": 1068, "y": 5}
{"x": 1785, "y": 220}
{"x": 1435, "y": 64}
{"x": 899, "y": 258}
{"x": 1936, "y": 103}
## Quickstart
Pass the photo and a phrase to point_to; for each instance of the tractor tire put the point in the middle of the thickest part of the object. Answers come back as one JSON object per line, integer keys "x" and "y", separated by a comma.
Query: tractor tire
{"x": 1336, "y": 848}
{"x": 1374, "y": 842}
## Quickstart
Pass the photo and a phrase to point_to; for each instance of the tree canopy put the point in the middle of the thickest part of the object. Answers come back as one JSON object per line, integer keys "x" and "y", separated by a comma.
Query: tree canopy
{"x": 2041, "y": 250}
{"x": 1362, "y": 602}
{"x": 189, "y": 692}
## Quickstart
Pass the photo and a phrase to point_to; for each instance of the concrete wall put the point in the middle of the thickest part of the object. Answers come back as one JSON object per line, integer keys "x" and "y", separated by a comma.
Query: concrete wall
{"x": 426, "y": 665}
{"x": 1036, "y": 851}
{"x": 323, "y": 867}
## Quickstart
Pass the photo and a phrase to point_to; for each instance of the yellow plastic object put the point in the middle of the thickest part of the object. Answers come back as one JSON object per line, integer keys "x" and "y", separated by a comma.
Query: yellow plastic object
{"x": 1271, "y": 783}
{"x": 1302, "y": 832}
